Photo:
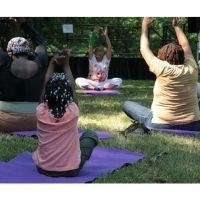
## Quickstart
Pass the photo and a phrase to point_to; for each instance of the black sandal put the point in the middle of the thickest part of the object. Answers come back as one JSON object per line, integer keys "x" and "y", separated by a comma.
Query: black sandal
{"x": 135, "y": 127}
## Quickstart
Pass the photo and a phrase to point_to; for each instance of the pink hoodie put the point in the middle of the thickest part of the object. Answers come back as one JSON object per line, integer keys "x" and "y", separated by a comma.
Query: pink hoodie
{"x": 58, "y": 148}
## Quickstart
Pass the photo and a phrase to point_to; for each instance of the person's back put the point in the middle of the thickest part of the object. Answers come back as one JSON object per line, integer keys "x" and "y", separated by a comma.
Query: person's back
{"x": 60, "y": 152}
{"x": 175, "y": 92}
{"x": 23, "y": 71}
{"x": 175, "y": 102}
{"x": 21, "y": 80}
{"x": 59, "y": 147}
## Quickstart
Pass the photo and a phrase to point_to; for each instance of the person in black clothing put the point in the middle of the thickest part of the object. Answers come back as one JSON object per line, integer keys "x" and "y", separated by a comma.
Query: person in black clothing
{"x": 21, "y": 80}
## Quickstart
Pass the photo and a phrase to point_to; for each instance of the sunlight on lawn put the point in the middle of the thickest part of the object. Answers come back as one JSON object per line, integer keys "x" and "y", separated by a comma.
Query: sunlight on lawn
{"x": 107, "y": 122}
{"x": 104, "y": 112}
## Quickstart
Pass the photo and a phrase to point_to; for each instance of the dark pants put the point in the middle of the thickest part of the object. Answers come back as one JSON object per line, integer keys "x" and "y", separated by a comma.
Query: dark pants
{"x": 88, "y": 141}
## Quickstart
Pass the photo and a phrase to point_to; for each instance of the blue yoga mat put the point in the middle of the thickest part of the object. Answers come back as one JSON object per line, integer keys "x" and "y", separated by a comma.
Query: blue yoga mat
{"x": 21, "y": 169}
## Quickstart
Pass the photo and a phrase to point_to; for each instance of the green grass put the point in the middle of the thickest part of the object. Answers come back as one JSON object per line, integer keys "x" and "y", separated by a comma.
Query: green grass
{"x": 169, "y": 158}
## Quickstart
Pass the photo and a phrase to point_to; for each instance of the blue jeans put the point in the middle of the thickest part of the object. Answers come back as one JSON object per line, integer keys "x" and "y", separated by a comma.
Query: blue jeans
{"x": 144, "y": 116}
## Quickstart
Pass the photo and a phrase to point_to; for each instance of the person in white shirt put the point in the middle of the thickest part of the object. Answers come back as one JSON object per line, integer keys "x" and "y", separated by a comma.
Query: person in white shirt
{"x": 99, "y": 61}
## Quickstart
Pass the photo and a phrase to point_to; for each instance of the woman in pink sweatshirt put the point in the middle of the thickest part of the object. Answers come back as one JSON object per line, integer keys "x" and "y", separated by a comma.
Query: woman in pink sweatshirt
{"x": 60, "y": 151}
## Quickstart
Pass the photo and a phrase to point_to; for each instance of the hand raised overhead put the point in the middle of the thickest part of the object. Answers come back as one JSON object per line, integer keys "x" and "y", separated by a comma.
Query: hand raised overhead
{"x": 62, "y": 57}
{"x": 147, "y": 21}
{"x": 175, "y": 22}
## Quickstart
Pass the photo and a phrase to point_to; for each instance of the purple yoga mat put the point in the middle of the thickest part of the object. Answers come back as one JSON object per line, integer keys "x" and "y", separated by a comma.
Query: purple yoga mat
{"x": 21, "y": 169}
{"x": 100, "y": 134}
{"x": 94, "y": 92}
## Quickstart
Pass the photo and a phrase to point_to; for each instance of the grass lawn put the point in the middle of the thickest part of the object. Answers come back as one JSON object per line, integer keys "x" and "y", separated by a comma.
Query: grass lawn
{"x": 169, "y": 158}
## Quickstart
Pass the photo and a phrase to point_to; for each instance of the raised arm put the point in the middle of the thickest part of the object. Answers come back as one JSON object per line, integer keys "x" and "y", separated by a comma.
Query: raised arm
{"x": 90, "y": 52}
{"x": 38, "y": 40}
{"x": 108, "y": 43}
{"x": 182, "y": 39}
{"x": 60, "y": 63}
{"x": 144, "y": 40}
{"x": 33, "y": 34}
{"x": 3, "y": 57}
{"x": 69, "y": 74}
{"x": 92, "y": 41}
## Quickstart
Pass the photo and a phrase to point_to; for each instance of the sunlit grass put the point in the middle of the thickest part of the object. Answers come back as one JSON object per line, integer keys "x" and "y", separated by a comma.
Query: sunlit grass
{"x": 105, "y": 112}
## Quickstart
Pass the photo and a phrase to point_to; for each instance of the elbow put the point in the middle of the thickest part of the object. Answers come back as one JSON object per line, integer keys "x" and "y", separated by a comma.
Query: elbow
{"x": 142, "y": 50}
{"x": 142, "y": 47}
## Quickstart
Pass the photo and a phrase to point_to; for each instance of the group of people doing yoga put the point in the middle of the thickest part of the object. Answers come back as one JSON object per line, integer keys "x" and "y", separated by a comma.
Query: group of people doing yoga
{"x": 39, "y": 95}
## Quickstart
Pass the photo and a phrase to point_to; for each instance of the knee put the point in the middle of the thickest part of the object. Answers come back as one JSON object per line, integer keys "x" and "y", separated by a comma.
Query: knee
{"x": 77, "y": 80}
{"x": 126, "y": 105}
{"x": 119, "y": 81}
{"x": 80, "y": 82}
{"x": 91, "y": 135}
{"x": 116, "y": 81}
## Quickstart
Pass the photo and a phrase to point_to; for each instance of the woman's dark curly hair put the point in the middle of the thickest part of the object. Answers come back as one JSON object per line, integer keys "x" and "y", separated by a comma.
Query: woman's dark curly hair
{"x": 58, "y": 94}
{"x": 172, "y": 53}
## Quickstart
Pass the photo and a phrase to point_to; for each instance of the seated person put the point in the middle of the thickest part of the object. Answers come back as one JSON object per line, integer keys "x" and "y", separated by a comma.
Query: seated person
{"x": 175, "y": 103}
{"x": 99, "y": 61}
{"x": 60, "y": 152}
{"x": 21, "y": 80}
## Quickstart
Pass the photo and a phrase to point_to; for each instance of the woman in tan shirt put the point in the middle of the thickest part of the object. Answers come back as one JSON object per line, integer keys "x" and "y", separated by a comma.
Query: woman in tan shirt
{"x": 175, "y": 102}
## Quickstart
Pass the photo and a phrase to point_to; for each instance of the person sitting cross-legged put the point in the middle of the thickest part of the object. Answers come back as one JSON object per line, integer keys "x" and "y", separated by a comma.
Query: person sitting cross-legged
{"x": 60, "y": 151}
{"x": 175, "y": 102}
{"x": 99, "y": 61}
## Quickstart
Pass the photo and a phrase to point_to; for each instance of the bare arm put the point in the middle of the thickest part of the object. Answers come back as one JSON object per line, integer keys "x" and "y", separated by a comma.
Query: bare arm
{"x": 69, "y": 74}
{"x": 92, "y": 41}
{"x": 182, "y": 39}
{"x": 144, "y": 40}
{"x": 109, "y": 46}
{"x": 38, "y": 40}
{"x": 3, "y": 57}
{"x": 90, "y": 52}
{"x": 60, "y": 63}
{"x": 34, "y": 35}
{"x": 48, "y": 75}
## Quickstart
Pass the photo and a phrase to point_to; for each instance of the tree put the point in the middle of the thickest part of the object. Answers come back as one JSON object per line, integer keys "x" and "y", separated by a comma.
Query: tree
{"x": 124, "y": 33}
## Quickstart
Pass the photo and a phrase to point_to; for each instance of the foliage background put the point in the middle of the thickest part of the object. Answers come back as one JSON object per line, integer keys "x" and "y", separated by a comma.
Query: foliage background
{"x": 124, "y": 33}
